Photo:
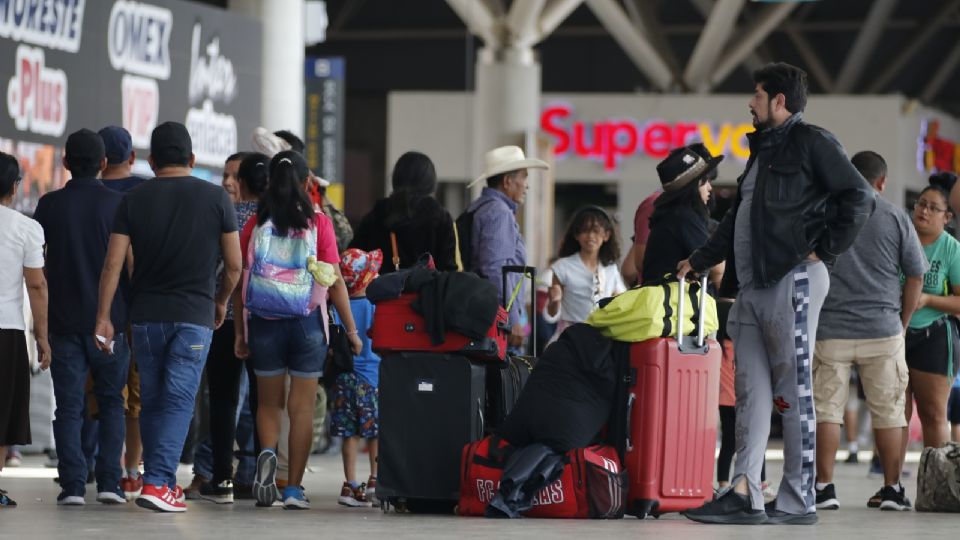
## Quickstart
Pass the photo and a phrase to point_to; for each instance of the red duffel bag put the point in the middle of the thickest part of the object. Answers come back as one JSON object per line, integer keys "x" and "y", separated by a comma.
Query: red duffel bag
{"x": 591, "y": 485}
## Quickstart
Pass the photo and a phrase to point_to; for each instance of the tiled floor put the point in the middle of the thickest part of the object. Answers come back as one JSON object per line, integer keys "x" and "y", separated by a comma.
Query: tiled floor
{"x": 39, "y": 518}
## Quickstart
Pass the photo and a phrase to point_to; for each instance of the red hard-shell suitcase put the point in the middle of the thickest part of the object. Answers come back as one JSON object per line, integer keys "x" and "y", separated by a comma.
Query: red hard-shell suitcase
{"x": 398, "y": 328}
{"x": 672, "y": 414}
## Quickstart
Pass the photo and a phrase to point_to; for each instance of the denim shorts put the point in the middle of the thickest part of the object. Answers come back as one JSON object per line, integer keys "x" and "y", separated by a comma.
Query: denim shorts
{"x": 296, "y": 346}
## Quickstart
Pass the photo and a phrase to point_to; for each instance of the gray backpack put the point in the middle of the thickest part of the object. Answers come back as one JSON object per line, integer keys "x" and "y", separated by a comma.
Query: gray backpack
{"x": 938, "y": 479}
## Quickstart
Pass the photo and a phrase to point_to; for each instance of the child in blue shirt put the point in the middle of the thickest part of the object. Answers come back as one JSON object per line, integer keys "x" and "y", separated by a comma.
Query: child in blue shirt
{"x": 355, "y": 394}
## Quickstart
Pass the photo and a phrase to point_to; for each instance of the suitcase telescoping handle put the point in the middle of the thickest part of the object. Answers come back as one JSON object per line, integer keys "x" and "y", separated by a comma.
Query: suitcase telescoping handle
{"x": 524, "y": 271}
{"x": 687, "y": 344}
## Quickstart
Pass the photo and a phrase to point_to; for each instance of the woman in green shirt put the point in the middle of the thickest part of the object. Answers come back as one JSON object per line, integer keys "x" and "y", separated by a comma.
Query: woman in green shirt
{"x": 932, "y": 337}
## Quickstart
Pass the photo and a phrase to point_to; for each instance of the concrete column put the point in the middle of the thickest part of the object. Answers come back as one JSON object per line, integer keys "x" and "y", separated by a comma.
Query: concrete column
{"x": 283, "y": 56}
{"x": 507, "y": 111}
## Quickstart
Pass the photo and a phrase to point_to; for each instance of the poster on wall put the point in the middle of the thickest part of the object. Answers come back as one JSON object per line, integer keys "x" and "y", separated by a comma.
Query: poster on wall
{"x": 325, "y": 88}
{"x": 72, "y": 64}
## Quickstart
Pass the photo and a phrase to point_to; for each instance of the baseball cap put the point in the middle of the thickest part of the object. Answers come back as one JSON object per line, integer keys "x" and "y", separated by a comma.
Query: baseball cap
{"x": 170, "y": 144}
{"x": 84, "y": 149}
{"x": 118, "y": 144}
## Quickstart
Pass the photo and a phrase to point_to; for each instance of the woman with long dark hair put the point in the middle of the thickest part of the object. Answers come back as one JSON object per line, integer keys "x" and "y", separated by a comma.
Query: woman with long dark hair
{"x": 681, "y": 218}
{"x": 290, "y": 251}
{"x": 586, "y": 270}
{"x": 410, "y": 222}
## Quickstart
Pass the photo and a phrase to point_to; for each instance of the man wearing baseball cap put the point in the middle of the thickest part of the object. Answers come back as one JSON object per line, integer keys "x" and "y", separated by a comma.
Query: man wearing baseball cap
{"x": 178, "y": 227}
{"x": 119, "y": 176}
{"x": 121, "y": 156}
{"x": 495, "y": 236}
{"x": 77, "y": 220}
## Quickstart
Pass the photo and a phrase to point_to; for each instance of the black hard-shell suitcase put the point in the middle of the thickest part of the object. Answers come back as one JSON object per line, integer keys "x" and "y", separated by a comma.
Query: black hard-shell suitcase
{"x": 431, "y": 405}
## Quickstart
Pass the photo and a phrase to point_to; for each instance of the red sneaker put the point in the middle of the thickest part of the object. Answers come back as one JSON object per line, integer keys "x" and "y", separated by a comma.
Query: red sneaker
{"x": 160, "y": 499}
{"x": 178, "y": 494}
{"x": 131, "y": 487}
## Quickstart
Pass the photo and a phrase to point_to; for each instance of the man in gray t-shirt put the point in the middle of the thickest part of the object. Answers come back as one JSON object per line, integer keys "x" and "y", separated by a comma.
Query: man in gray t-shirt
{"x": 862, "y": 324}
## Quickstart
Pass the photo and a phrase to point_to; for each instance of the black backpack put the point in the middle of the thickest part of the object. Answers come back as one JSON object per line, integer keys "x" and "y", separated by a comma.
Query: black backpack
{"x": 464, "y": 225}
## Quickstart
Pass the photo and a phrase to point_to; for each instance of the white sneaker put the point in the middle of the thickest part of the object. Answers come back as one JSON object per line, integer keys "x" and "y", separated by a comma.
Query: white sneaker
{"x": 70, "y": 500}
{"x": 109, "y": 497}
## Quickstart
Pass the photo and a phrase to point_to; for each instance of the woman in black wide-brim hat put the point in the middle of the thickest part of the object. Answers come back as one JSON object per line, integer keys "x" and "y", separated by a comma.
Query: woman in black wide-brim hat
{"x": 681, "y": 219}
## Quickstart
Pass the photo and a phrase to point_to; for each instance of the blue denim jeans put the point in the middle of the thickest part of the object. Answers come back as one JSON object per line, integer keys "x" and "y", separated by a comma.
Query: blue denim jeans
{"x": 170, "y": 357}
{"x": 73, "y": 356}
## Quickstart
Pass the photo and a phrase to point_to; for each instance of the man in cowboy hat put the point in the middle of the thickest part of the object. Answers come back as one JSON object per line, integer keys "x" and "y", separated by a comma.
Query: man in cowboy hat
{"x": 495, "y": 237}
{"x": 776, "y": 238}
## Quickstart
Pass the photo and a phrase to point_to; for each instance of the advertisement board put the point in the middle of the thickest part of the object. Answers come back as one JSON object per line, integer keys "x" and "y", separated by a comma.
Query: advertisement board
{"x": 71, "y": 64}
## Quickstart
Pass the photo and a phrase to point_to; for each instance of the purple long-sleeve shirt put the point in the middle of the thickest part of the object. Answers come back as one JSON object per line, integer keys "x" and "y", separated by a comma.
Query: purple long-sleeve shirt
{"x": 497, "y": 242}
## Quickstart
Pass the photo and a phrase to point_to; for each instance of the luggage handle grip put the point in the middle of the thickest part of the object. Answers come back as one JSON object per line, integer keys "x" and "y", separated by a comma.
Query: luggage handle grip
{"x": 698, "y": 346}
{"x": 530, "y": 271}
{"x": 630, "y": 400}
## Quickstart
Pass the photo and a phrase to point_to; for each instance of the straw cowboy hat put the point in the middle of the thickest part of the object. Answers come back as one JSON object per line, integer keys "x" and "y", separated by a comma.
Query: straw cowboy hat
{"x": 269, "y": 144}
{"x": 505, "y": 159}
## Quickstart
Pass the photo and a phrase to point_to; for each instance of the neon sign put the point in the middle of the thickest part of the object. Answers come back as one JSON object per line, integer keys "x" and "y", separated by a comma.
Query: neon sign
{"x": 610, "y": 141}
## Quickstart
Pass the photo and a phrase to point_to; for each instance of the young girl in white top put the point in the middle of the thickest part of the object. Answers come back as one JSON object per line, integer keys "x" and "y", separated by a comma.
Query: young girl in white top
{"x": 586, "y": 270}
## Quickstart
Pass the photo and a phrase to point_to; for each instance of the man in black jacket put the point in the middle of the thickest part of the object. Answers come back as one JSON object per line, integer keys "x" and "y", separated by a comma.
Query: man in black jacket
{"x": 799, "y": 205}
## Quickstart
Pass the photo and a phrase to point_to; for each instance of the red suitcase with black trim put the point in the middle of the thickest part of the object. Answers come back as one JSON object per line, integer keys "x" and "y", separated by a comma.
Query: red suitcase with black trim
{"x": 672, "y": 420}
{"x": 398, "y": 328}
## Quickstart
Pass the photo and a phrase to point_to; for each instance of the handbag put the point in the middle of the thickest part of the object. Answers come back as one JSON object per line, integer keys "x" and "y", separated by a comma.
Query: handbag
{"x": 339, "y": 355}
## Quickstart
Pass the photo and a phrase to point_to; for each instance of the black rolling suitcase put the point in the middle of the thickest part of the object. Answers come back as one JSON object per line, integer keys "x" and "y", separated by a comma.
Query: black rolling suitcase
{"x": 506, "y": 380}
{"x": 431, "y": 405}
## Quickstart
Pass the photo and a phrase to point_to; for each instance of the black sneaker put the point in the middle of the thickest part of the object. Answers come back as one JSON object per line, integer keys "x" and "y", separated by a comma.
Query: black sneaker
{"x": 895, "y": 500}
{"x": 874, "y": 502}
{"x": 779, "y": 517}
{"x": 221, "y": 493}
{"x": 827, "y": 498}
{"x": 6, "y": 501}
{"x": 730, "y": 508}
{"x": 852, "y": 459}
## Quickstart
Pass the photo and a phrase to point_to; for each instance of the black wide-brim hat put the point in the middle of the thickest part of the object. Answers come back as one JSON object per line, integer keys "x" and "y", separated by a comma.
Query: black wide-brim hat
{"x": 686, "y": 164}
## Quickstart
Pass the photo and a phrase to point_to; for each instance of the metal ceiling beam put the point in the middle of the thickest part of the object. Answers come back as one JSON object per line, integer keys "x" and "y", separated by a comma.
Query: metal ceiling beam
{"x": 478, "y": 18}
{"x": 747, "y": 41}
{"x": 555, "y": 13}
{"x": 716, "y": 32}
{"x": 637, "y": 46}
{"x": 752, "y": 62}
{"x": 856, "y": 61}
{"x": 522, "y": 21}
{"x": 650, "y": 22}
{"x": 920, "y": 38}
{"x": 946, "y": 69}
{"x": 811, "y": 60}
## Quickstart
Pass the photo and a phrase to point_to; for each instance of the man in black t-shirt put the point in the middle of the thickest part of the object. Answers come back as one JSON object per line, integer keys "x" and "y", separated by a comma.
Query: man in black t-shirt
{"x": 178, "y": 226}
{"x": 76, "y": 221}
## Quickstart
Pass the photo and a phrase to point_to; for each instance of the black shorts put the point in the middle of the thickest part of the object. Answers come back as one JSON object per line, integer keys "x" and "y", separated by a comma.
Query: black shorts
{"x": 14, "y": 388}
{"x": 934, "y": 349}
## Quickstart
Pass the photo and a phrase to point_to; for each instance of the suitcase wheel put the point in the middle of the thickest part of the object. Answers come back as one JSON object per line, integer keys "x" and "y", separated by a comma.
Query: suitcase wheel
{"x": 396, "y": 505}
{"x": 646, "y": 507}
